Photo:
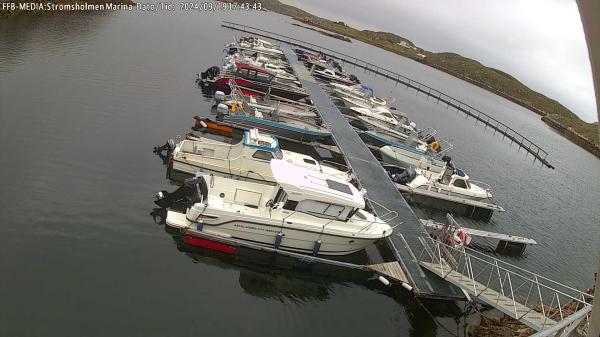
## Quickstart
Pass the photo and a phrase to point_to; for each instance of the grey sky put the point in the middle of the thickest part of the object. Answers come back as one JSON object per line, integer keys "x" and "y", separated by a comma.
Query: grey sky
{"x": 540, "y": 42}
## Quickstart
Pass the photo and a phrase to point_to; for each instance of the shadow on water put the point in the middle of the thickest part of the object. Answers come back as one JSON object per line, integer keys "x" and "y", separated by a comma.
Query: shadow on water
{"x": 271, "y": 276}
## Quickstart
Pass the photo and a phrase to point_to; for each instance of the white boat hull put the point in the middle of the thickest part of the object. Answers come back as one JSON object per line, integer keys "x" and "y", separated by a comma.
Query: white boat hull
{"x": 294, "y": 239}
{"x": 405, "y": 158}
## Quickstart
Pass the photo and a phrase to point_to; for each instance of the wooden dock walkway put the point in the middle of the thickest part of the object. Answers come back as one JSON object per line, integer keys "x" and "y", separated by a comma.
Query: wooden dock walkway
{"x": 480, "y": 117}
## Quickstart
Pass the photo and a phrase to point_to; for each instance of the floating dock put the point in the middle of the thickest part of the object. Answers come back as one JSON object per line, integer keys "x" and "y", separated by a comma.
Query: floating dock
{"x": 473, "y": 209}
{"x": 505, "y": 241}
{"x": 536, "y": 301}
{"x": 376, "y": 181}
{"x": 480, "y": 117}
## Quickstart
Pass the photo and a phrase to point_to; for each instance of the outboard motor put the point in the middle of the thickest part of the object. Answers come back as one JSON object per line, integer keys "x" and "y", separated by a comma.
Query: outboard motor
{"x": 447, "y": 159}
{"x": 218, "y": 97}
{"x": 405, "y": 177}
{"x": 192, "y": 191}
{"x": 222, "y": 109}
{"x": 210, "y": 73}
{"x": 354, "y": 79}
{"x": 164, "y": 151}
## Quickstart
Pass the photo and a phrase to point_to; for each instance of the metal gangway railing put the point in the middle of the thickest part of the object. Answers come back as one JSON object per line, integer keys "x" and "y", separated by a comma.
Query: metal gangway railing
{"x": 551, "y": 308}
{"x": 480, "y": 116}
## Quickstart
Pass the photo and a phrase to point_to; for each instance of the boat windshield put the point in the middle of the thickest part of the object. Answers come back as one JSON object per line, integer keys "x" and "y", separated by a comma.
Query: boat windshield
{"x": 278, "y": 154}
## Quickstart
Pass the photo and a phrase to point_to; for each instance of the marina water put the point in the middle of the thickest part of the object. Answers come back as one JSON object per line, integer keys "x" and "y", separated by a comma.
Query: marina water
{"x": 83, "y": 99}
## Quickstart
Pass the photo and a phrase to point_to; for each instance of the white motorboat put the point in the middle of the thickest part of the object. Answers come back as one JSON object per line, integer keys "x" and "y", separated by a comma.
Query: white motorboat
{"x": 451, "y": 181}
{"x": 249, "y": 159}
{"x": 379, "y": 116}
{"x": 278, "y": 71}
{"x": 358, "y": 95}
{"x": 430, "y": 157}
{"x": 407, "y": 156}
{"x": 330, "y": 75}
{"x": 306, "y": 211}
{"x": 267, "y": 104}
{"x": 261, "y": 45}
{"x": 367, "y": 103}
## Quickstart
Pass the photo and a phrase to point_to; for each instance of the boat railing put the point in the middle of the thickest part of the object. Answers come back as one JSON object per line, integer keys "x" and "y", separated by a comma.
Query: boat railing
{"x": 338, "y": 165}
{"x": 487, "y": 187}
{"x": 387, "y": 215}
{"x": 427, "y": 133}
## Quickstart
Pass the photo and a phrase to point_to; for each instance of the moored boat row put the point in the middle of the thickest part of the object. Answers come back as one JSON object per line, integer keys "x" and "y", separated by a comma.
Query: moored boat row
{"x": 251, "y": 188}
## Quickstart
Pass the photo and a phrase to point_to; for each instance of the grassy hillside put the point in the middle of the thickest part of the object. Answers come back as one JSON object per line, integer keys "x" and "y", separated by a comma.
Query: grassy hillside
{"x": 494, "y": 80}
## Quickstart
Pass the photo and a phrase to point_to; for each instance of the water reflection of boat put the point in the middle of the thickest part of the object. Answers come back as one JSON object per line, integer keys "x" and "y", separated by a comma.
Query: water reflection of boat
{"x": 268, "y": 275}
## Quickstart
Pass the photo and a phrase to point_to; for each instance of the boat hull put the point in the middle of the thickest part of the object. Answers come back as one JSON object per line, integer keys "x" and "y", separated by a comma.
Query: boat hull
{"x": 292, "y": 239}
{"x": 280, "y": 90}
{"x": 405, "y": 157}
{"x": 277, "y": 128}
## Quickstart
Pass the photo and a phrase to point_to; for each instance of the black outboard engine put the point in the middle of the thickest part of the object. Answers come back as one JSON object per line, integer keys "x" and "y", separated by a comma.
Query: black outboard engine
{"x": 404, "y": 177}
{"x": 192, "y": 191}
{"x": 448, "y": 162}
{"x": 210, "y": 73}
{"x": 354, "y": 79}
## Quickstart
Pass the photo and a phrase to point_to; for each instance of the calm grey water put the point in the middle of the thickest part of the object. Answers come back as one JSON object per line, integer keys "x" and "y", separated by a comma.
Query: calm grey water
{"x": 85, "y": 97}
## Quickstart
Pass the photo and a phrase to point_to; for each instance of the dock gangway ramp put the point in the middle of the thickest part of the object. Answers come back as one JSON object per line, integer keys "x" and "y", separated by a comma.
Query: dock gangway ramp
{"x": 380, "y": 189}
{"x": 551, "y": 308}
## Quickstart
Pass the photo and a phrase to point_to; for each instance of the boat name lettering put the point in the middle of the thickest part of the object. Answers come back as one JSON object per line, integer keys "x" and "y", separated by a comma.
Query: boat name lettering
{"x": 255, "y": 228}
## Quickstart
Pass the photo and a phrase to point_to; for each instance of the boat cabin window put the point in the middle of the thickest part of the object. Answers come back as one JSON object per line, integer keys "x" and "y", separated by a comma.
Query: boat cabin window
{"x": 262, "y": 155}
{"x": 334, "y": 185}
{"x": 290, "y": 205}
{"x": 310, "y": 161}
{"x": 460, "y": 183}
{"x": 281, "y": 196}
{"x": 323, "y": 209}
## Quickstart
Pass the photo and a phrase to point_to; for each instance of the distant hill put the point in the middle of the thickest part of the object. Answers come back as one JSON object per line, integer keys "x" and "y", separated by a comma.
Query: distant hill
{"x": 7, "y": 12}
{"x": 553, "y": 113}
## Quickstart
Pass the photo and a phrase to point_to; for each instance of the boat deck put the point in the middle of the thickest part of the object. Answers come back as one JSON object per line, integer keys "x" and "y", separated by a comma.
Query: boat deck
{"x": 376, "y": 181}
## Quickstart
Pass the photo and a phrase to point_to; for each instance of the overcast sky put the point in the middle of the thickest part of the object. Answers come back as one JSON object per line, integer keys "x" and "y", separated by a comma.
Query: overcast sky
{"x": 540, "y": 42}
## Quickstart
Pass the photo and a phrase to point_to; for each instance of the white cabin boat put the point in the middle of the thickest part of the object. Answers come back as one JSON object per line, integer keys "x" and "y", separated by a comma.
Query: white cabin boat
{"x": 330, "y": 75}
{"x": 260, "y": 45}
{"x": 306, "y": 211}
{"x": 249, "y": 159}
{"x": 451, "y": 181}
{"x": 367, "y": 103}
{"x": 406, "y": 156}
{"x": 379, "y": 117}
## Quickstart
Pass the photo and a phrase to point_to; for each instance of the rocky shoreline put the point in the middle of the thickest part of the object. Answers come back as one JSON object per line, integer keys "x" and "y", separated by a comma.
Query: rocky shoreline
{"x": 572, "y": 135}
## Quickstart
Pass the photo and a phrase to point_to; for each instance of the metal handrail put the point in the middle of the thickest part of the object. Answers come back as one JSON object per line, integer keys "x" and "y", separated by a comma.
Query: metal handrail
{"x": 508, "y": 131}
{"x": 579, "y": 318}
{"x": 496, "y": 265}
